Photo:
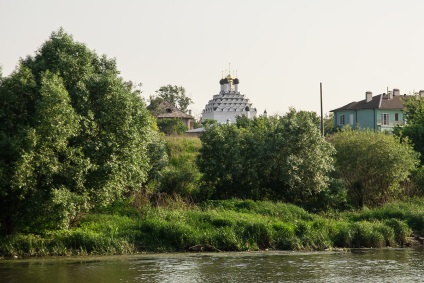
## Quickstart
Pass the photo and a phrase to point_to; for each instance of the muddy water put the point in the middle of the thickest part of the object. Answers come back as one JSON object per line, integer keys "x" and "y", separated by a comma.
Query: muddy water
{"x": 387, "y": 265}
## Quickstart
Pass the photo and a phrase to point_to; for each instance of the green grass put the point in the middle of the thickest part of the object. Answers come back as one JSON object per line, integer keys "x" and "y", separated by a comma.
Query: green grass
{"x": 182, "y": 149}
{"x": 230, "y": 225}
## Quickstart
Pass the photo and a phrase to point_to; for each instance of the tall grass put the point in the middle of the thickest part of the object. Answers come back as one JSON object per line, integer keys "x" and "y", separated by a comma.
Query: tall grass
{"x": 181, "y": 176}
{"x": 231, "y": 225}
{"x": 97, "y": 234}
{"x": 410, "y": 212}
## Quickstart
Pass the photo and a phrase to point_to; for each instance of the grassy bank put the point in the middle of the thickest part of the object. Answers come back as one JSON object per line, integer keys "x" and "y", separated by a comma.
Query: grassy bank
{"x": 231, "y": 225}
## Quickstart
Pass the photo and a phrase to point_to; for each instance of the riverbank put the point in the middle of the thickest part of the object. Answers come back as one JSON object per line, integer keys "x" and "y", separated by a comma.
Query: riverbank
{"x": 229, "y": 225}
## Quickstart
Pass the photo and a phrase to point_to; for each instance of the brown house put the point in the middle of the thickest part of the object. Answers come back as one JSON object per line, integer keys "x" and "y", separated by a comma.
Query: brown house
{"x": 166, "y": 110}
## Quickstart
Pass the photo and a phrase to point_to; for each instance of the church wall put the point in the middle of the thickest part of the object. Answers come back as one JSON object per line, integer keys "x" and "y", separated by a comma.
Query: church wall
{"x": 223, "y": 117}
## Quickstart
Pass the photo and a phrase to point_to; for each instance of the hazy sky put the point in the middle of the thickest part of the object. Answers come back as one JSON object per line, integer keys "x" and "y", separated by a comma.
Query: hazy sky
{"x": 281, "y": 49}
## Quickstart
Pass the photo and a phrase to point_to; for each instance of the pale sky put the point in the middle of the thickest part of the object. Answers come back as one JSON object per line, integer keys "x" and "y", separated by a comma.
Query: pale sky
{"x": 281, "y": 49}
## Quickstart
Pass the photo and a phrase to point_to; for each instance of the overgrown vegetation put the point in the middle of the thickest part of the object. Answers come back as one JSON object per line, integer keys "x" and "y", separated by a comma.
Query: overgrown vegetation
{"x": 84, "y": 170}
{"x": 227, "y": 225}
{"x": 181, "y": 176}
{"x": 279, "y": 158}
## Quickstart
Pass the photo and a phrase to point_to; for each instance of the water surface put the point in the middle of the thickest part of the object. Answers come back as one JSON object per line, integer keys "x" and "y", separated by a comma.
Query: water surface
{"x": 382, "y": 265}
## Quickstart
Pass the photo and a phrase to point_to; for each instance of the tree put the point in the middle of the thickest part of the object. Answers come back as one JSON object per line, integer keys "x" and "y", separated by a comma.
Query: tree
{"x": 73, "y": 136}
{"x": 414, "y": 128}
{"x": 372, "y": 165}
{"x": 221, "y": 163}
{"x": 173, "y": 94}
{"x": 282, "y": 158}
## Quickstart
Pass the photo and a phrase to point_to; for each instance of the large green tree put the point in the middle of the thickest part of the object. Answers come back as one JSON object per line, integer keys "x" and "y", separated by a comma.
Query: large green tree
{"x": 73, "y": 136}
{"x": 175, "y": 95}
{"x": 282, "y": 158}
{"x": 372, "y": 165}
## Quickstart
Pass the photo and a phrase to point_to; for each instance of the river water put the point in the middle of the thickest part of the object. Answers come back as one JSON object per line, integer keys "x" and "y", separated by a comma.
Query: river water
{"x": 379, "y": 265}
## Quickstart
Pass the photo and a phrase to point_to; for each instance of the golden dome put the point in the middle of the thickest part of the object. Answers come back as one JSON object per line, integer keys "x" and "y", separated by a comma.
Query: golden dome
{"x": 229, "y": 78}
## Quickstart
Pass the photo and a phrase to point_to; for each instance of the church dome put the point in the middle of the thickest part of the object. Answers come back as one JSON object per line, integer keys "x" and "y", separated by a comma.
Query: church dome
{"x": 229, "y": 102}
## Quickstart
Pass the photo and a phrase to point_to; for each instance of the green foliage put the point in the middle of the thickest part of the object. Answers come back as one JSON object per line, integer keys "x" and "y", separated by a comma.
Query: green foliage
{"x": 176, "y": 95}
{"x": 229, "y": 225}
{"x": 181, "y": 176}
{"x": 332, "y": 198}
{"x": 73, "y": 136}
{"x": 329, "y": 127}
{"x": 372, "y": 165}
{"x": 276, "y": 157}
{"x": 414, "y": 128}
{"x": 410, "y": 212}
{"x": 209, "y": 123}
{"x": 171, "y": 126}
{"x": 417, "y": 182}
{"x": 157, "y": 154}
{"x": 283, "y": 211}
{"x": 401, "y": 230}
{"x": 98, "y": 234}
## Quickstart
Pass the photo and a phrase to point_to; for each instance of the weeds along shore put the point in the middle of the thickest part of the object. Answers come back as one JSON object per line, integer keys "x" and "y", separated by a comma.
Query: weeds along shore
{"x": 227, "y": 225}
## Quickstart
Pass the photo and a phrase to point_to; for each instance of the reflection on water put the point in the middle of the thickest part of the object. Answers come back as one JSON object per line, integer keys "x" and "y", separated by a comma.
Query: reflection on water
{"x": 387, "y": 265}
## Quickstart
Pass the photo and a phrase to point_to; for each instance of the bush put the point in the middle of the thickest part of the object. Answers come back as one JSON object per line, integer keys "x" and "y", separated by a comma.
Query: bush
{"x": 372, "y": 165}
{"x": 171, "y": 126}
{"x": 333, "y": 198}
{"x": 279, "y": 158}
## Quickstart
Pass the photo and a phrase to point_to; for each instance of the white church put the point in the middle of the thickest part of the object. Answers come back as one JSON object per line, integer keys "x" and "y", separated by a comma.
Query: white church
{"x": 229, "y": 103}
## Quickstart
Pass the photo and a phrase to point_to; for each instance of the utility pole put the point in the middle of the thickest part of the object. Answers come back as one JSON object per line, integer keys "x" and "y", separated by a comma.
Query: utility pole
{"x": 322, "y": 117}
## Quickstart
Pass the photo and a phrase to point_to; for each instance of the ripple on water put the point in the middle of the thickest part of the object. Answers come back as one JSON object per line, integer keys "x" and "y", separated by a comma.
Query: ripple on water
{"x": 356, "y": 266}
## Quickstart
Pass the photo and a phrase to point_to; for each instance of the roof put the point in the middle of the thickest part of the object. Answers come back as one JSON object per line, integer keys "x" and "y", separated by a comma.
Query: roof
{"x": 197, "y": 130}
{"x": 380, "y": 101}
{"x": 167, "y": 110}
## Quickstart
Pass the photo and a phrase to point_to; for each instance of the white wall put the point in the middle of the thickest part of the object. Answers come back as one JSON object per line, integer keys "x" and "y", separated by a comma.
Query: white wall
{"x": 224, "y": 116}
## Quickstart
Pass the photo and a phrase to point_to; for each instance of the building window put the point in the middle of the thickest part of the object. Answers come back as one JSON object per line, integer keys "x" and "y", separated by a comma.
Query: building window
{"x": 396, "y": 116}
{"x": 351, "y": 119}
{"x": 385, "y": 119}
{"x": 341, "y": 120}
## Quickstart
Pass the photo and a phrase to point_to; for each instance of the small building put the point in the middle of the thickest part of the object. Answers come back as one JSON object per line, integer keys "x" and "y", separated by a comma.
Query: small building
{"x": 380, "y": 113}
{"x": 229, "y": 103}
{"x": 166, "y": 110}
